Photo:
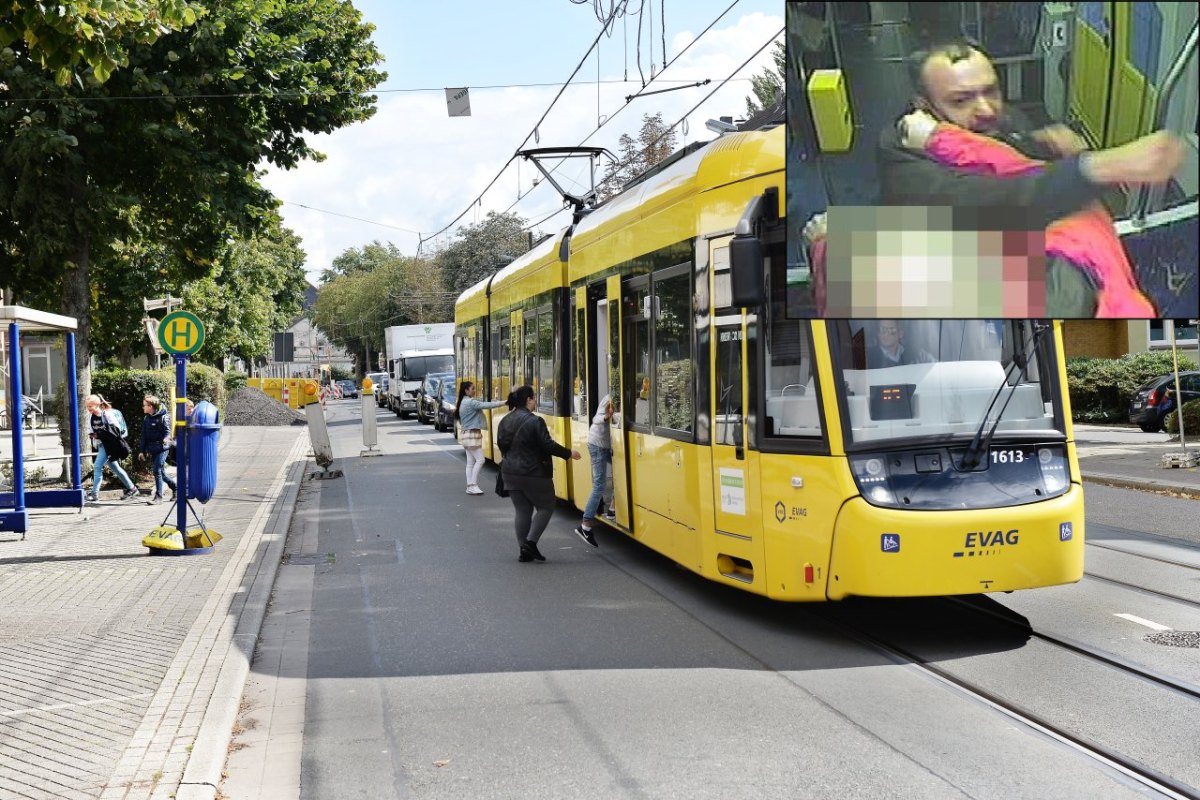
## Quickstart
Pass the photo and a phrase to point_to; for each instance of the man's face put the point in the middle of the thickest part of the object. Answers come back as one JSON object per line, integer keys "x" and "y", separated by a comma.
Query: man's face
{"x": 889, "y": 334}
{"x": 965, "y": 93}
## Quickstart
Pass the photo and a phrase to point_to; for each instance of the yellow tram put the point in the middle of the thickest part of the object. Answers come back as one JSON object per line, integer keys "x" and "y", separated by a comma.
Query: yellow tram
{"x": 790, "y": 457}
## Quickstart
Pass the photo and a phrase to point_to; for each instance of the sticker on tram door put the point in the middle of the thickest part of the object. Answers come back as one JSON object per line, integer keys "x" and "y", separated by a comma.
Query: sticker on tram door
{"x": 890, "y": 543}
{"x": 1065, "y": 532}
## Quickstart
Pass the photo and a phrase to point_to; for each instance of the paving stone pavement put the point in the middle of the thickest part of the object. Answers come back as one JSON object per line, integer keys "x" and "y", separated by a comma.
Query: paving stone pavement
{"x": 110, "y": 659}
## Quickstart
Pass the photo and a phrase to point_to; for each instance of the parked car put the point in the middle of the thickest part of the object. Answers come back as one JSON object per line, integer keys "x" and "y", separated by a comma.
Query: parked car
{"x": 444, "y": 421}
{"x": 1155, "y": 399}
{"x": 429, "y": 396}
{"x": 348, "y": 388}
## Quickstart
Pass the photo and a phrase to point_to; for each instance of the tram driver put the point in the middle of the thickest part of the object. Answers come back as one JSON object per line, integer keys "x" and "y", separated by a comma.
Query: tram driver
{"x": 889, "y": 349}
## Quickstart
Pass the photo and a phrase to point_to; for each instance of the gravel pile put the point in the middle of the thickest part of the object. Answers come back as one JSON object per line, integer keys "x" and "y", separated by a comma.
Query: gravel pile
{"x": 250, "y": 406}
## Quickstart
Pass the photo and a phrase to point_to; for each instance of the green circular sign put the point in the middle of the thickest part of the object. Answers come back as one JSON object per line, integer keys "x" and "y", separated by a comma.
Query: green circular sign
{"x": 181, "y": 333}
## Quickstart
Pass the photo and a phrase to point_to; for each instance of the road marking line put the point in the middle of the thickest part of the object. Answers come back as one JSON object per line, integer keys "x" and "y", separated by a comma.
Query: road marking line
{"x": 61, "y": 706}
{"x": 1140, "y": 621}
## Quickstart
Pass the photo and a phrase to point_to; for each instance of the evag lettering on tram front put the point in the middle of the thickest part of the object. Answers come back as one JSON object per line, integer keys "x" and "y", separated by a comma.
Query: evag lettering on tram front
{"x": 991, "y": 538}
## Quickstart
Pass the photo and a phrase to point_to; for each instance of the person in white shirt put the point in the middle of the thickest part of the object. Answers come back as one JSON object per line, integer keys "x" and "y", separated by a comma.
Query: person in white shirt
{"x": 600, "y": 449}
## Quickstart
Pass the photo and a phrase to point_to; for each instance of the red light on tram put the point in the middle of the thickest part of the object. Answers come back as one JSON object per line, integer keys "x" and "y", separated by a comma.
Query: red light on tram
{"x": 808, "y": 573}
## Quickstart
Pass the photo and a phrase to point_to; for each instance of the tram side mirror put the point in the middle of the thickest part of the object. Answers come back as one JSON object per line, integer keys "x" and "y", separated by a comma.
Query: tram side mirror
{"x": 746, "y": 272}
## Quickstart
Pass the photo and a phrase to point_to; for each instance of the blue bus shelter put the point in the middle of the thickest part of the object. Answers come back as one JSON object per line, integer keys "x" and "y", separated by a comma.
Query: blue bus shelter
{"x": 15, "y": 505}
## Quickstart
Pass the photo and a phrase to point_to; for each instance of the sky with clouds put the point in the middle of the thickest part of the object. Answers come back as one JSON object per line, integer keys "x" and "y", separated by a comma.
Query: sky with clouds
{"x": 411, "y": 169}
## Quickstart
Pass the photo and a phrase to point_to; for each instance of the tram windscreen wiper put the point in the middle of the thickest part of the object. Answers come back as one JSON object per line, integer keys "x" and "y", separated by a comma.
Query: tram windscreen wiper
{"x": 980, "y": 442}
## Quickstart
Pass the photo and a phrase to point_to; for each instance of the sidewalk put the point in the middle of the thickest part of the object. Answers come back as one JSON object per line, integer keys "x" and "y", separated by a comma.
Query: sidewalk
{"x": 120, "y": 672}
{"x": 1138, "y": 467}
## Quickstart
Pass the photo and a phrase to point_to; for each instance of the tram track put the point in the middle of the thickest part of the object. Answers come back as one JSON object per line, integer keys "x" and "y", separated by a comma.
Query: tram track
{"x": 1095, "y": 654}
{"x": 1139, "y": 773}
{"x": 1169, "y": 561}
{"x": 1143, "y": 774}
{"x": 1143, "y": 589}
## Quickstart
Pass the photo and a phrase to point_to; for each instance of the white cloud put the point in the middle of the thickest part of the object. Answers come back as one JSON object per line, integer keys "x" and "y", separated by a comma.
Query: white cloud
{"x": 411, "y": 166}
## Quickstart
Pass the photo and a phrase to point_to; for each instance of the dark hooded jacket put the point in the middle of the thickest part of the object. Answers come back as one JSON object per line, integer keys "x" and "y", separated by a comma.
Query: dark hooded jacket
{"x": 155, "y": 428}
{"x": 525, "y": 443}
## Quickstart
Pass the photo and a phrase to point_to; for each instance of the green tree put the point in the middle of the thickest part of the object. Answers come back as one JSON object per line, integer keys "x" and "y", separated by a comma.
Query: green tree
{"x": 481, "y": 249}
{"x": 768, "y": 85}
{"x": 654, "y": 143}
{"x": 61, "y": 37}
{"x": 207, "y": 105}
{"x": 373, "y": 287}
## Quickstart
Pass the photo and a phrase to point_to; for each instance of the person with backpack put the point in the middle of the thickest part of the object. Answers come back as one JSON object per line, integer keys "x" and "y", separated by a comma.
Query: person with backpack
{"x": 108, "y": 431}
{"x": 156, "y": 438}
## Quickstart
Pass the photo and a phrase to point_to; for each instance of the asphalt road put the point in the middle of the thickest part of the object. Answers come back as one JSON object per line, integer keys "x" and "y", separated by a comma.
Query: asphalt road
{"x": 429, "y": 663}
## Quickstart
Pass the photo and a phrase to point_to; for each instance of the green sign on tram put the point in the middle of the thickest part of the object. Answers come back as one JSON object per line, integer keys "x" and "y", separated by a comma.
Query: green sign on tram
{"x": 181, "y": 333}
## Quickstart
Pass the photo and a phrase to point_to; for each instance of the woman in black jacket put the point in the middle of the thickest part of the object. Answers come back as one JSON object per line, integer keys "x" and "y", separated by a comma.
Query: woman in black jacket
{"x": 526, "y": 445}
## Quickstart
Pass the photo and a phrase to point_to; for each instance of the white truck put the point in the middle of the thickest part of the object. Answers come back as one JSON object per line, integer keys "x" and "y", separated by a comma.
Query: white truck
{"x": 413, "y": 351}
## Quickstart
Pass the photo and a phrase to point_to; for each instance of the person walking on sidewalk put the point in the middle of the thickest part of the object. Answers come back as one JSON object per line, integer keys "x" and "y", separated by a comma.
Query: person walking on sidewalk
{"x": 156, "y": 435}
{"x": 527, "y": 471}
{"x": 600, "y": 450}
{"x": 469, "y": 413}
{"x": 108, "y": 430}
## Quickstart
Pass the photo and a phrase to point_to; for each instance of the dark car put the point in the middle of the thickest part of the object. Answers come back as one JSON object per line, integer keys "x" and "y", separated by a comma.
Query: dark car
{"x": 348, "y": 388}
{"x": 444, "y": 421}
{"x": 429, "y": 396}
{"x": 1156, "y": 398}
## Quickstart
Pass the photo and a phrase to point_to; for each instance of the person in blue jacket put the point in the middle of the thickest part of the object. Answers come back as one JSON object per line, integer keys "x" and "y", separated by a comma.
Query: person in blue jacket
{"x": 156, "y": 435}
{"x": 469, "y": 413}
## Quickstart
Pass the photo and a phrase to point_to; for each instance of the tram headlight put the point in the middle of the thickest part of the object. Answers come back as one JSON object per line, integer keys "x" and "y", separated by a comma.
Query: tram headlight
{"x": 870, "y": 473}
{"x": 1052, "y": 461}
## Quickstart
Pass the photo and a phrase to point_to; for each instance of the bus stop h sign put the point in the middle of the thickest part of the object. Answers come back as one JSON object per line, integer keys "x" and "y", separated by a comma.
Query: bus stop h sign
{"x": 181, "y": 333}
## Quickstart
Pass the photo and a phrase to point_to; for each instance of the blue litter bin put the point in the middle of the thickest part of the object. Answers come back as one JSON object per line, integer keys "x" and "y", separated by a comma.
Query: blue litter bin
{"x": 203, "y": 431}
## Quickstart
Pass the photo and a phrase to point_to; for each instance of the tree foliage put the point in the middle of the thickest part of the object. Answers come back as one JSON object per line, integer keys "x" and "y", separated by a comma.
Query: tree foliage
{"x": 481, "y": 249}
{"x": 653, "y": 143}
{"x": 179, "y": 134}
{"x": 769, "y": 84}
{"x": 62, "y": 37}
{"x": 376, "y": 286}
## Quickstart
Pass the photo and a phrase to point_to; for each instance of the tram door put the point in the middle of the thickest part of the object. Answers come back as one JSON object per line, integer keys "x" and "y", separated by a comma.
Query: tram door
{"x": 612, "y": 365}
{"x": 735, "y": 467}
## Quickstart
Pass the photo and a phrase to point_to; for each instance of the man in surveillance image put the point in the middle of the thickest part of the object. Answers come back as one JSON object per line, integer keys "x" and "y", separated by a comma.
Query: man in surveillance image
{"x": 985, "y": 155}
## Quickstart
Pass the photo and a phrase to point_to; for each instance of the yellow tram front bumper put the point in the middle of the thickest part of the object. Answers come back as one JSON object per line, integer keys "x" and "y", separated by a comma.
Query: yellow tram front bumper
{"x": 883, "y": 552}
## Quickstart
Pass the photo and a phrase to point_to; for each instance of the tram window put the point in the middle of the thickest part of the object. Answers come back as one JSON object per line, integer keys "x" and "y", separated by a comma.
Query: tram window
{"x": 637, "y": 344}
{"x": 502, "y": 368}
{"x": 791, "y": 398}
{"x": 614, "y": 363}
{"x": 528, "y": 374}
{"x": 579, "y": 381}
{"x": 673, "y": 352}
{"x": 545, "y": 356}
{"x": 944, "y": 379}
{"x": 729, "y": 384}
{"x": 477, "y": 355}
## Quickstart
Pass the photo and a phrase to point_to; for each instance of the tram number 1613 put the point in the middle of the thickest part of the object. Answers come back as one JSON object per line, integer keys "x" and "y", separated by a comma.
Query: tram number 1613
{"x": 1008, "y": 456}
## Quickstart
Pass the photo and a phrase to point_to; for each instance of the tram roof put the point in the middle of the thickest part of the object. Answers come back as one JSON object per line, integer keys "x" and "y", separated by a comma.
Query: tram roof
{"x": 722, "y": 161}
{"x": 471, "y": 303}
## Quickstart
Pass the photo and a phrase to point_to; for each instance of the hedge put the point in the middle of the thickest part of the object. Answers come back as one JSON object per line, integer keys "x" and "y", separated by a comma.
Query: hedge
{"x": 1101, "y": 388}
{"x": 126, "y": 388}
{"x": 1191, "y": 421}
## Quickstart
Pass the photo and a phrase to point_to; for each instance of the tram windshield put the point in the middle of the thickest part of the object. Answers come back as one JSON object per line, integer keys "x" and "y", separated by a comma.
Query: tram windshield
{"x": 906, "y": 379}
